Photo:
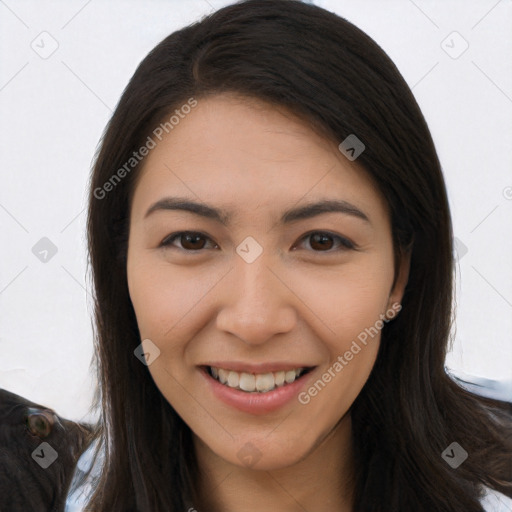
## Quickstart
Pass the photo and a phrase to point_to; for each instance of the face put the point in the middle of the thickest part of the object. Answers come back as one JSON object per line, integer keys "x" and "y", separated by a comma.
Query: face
{"x": 256, "y": 282}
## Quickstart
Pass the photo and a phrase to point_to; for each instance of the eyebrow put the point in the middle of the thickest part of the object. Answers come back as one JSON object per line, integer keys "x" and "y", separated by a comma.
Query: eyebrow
{"x": 223, "y": 216}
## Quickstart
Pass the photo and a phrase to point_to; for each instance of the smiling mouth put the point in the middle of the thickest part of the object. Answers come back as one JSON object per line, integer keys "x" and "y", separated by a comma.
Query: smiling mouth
{"x": 256, "y": 383}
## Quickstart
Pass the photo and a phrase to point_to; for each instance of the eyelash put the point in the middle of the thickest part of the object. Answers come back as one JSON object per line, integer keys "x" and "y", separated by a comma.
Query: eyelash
{"x": 343, "y": 242}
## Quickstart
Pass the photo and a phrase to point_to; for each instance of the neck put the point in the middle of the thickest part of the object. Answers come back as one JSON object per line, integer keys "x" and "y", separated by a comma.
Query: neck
{"x": 321, "y": 481}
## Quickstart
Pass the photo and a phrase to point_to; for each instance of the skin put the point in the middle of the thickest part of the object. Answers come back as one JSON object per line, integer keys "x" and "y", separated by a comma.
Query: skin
{"x": 299, "y": 301}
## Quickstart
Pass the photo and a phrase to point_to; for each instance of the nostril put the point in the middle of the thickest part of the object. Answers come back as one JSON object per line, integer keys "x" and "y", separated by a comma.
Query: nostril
{"x": 39, "y": 423}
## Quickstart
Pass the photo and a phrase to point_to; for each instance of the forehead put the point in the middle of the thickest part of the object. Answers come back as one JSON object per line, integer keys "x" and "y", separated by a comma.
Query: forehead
{"x": 243, "y": 151}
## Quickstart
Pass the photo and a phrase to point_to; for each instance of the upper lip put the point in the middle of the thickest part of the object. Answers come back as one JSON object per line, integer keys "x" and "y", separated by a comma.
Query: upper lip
{"x": 237, "y": 366}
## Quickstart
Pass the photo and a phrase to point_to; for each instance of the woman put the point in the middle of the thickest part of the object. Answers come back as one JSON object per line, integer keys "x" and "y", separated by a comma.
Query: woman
{"x": 271, "y": 248}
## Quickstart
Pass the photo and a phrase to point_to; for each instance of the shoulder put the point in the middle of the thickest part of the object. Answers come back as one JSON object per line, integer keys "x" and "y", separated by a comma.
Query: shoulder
{"x": 83, "y": 484}
{"x": 494, "y": 501}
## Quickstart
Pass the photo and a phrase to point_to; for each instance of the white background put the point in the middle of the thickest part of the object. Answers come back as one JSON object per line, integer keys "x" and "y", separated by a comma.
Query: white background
{"x": 53, "y": 111}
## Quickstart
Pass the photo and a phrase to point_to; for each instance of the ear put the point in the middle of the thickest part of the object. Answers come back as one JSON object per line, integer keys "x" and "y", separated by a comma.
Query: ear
{"x": 402, "y": 278}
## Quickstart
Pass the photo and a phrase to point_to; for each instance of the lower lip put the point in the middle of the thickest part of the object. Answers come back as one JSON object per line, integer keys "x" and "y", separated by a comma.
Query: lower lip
{"x": 256, "y": 403}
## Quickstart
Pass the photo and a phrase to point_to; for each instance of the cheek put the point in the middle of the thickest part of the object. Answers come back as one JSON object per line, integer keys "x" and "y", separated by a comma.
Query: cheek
{"x": 350, "y": 303}
{"x": 164, "y": 297}
{"x": 347, "y": 300}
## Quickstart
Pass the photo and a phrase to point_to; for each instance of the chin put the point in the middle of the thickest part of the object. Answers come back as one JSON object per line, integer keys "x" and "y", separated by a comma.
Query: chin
{"x": 264, "y": 455}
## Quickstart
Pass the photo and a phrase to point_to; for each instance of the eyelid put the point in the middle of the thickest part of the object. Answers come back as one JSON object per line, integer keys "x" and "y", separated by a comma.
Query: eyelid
{"x": 344, "y": 242}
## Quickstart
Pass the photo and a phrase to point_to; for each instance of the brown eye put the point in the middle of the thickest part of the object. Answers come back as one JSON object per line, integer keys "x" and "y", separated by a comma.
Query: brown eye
{"x": 40, "y": 423}
{"x": 190, "y": 241}
{"x": 322, "y": 241}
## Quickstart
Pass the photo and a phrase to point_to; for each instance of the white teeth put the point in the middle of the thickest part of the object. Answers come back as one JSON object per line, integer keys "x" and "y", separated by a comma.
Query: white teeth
{"x": 247, "y": 382}
{"x": 289, "y": 376}
{"x": 250, "y": 383}
{"x": 233, "y": 379}
{"x": 279, "y": 378}
{"x": 223, "y": 375}
{"x": 265, "y": 382}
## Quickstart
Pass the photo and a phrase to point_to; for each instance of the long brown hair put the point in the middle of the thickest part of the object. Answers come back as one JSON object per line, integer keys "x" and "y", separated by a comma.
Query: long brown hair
{"x": 324, "y": 69}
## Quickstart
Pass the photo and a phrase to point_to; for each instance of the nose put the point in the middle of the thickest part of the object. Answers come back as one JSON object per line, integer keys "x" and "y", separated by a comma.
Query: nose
{"x": 259, "y": 302}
